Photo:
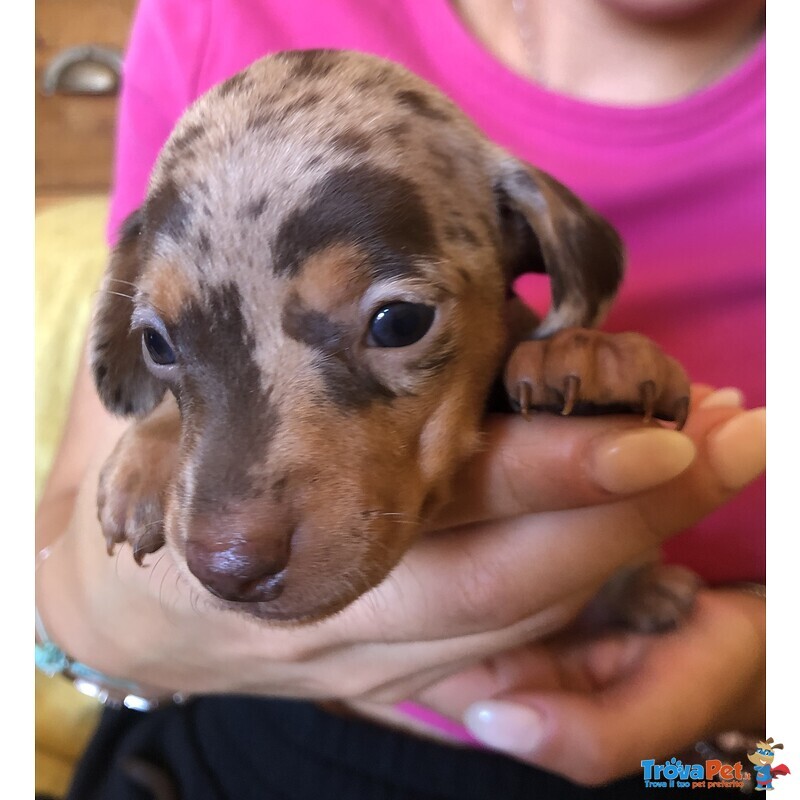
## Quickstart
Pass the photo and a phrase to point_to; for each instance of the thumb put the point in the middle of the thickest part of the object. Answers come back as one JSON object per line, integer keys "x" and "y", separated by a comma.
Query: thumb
{"x": 620, "y": 701}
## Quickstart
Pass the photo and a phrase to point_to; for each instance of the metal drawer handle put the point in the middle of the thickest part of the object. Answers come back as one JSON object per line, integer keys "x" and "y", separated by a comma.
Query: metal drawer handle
{"x": 86, "y": 69}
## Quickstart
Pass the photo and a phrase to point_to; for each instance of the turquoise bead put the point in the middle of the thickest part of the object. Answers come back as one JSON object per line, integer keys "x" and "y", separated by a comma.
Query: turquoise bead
{"x": 50, "y": 659}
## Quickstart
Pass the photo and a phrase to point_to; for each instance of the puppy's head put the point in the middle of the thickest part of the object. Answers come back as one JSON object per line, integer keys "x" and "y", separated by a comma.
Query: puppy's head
{"x": 319, "y": 275}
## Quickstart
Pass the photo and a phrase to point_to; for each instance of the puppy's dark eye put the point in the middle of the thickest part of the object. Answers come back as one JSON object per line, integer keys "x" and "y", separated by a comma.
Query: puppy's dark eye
{"x": 158, "y": 348}
{"x": 401, "y": 324}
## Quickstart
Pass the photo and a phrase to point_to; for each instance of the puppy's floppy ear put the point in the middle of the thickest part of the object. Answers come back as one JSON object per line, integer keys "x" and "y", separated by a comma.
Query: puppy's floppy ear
{"x": 546, "y": 228}
{"x": 115, "y": 354}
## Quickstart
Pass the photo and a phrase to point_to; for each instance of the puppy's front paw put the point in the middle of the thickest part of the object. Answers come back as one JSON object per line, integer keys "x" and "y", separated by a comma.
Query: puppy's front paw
{"x": 587, "y": 371}
{"x": 131, "y": 492}
{"x": 650, "y": 599}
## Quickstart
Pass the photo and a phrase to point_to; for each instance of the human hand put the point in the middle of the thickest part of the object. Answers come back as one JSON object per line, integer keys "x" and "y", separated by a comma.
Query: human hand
{"x": 459, "y": 595}
{"x": 592, "y": 710}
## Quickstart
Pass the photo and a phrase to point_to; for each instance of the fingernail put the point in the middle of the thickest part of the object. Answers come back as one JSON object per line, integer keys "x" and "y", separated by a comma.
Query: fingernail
{"x": 738, "y": 450}
{"x": 729, "y": 397}
{"x": 505, "y": 726}
{"x": 638, "y": 460}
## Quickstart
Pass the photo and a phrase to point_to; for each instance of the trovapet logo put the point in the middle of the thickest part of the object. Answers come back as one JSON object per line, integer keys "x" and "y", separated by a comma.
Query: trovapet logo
{"x": 716, "y": 774}
{"x": 674, "y": 774}
{"x": 761, "y": 759}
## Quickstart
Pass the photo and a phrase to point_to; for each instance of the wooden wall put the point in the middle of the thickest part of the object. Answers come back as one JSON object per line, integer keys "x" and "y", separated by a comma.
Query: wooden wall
{"x": 74, "y": 133}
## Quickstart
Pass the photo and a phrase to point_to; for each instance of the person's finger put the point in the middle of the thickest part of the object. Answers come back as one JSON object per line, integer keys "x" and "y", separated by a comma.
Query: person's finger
{"x": 394, "y": 670}
{"x": 534, "y": 665}
{"x": 548, "y": 463}
{"x": 731, "y": 452}
{"x": 643, "y": 707}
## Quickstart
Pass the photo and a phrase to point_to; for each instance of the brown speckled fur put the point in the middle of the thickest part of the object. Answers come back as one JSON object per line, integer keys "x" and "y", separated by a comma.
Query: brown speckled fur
{"x": 290, "y": 203}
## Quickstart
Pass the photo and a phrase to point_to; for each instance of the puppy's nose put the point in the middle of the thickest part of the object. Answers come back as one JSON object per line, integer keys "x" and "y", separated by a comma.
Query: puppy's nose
{"x": 240, "y": 571}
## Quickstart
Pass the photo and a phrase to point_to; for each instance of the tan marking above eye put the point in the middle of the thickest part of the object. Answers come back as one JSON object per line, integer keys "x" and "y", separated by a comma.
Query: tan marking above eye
{"x": 168, "y": 290}
{"x": 334, "y": 278}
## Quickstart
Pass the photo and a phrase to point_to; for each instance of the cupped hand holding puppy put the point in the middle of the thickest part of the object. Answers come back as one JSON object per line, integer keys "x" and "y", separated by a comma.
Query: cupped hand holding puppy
{"x": 555, "y": 505}
{"x": 591, "y": 709}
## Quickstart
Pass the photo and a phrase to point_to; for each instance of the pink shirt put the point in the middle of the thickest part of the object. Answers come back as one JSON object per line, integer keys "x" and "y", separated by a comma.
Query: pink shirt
{"x": 684, "y": 183}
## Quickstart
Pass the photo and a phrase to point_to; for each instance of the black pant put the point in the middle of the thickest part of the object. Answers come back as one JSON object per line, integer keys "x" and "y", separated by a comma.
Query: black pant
{"x": 233, "y": 748}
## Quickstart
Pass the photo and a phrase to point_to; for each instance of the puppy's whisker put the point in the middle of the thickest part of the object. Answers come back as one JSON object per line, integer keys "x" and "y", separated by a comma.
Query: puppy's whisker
{"x": 117, "y": 555}
{"x": 169, "y": 608}
{"x": 178, "y": 580}
{"x": 397, "y": 516}
{"x": 152, "y": 568}
{"x": 193, "y": 598}
{"x": 118, "y": 294}
{"x": 161, "y": 595}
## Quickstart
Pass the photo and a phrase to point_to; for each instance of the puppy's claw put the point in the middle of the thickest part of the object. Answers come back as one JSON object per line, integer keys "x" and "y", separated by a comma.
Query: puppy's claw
{"x": 650, "y": 598}
{"x": 149, "y": 543}
{"x": 681, "y": 412}
{"x": 524, "y": 397}
{"x": 584, "y": 371}
{"x": 112, "y": 540}
{"x": 648, "y": 393}
{"x": 572, "y": 386}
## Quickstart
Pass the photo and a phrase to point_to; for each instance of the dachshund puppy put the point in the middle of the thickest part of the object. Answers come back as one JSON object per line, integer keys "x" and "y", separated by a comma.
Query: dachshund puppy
{"x": 319, "y": 279}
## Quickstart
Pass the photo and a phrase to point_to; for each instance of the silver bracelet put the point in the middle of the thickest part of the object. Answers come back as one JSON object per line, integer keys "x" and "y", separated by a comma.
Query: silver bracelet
{"x": 111, "y": 692}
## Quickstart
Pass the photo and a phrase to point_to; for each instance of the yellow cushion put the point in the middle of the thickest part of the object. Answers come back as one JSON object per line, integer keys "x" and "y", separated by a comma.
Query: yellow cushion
{"x": 70, "y": 257}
